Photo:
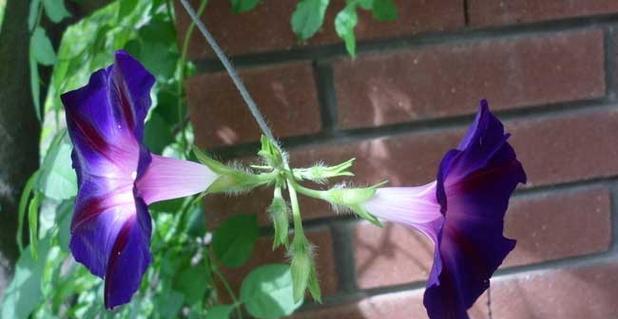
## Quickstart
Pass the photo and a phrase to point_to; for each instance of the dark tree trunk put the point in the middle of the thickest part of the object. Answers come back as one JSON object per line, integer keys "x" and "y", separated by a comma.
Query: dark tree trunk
{"x": 19, "y": 127}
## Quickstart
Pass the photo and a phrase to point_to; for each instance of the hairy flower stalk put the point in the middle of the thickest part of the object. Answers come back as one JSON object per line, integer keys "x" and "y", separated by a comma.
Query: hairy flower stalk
{"x": 462, "y": 212}
{"x": 118, "y": 177}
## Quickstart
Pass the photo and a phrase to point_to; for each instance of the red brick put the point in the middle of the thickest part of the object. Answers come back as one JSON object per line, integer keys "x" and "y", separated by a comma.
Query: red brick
{"x": 263, "y": 254}
{"x": 567, "y": 148}
{"x": 553, "y": 149}
{"x": 449, "y": 79}
{"x": 570, "y": 293}
{"x": 391, "y": 255}
{"x": 553, "y": 226}
{"x": 491, "y": 12}
{"x": 398, "y": 305}
{"x": 547, "y": 227}
{"x": 267, "y": 28}
{"x": 285, "y": 93}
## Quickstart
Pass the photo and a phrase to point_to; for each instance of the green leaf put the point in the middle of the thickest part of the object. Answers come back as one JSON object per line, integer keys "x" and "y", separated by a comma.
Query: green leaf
{"x": 267, "y": 292}
{"x": 192, "y": 282}
{"x": 220, "y": 312}
{"x": 58, "y": 180}
{"x": 239, "y": 6}
{"x": 126, "y": 7}
{"x": 63, "y": 220}
{"x": 168, "y": 304}
{"x": 42, "y": 48}
{"x": 55, "y": 10}
{"x": 196, "y": 221}
{"x": 345, "y": 22}
{"x": 234, "y": 240}
{"x": 33, "y": 223}
{"x": 157, "y": 48}
{"x": 308, "y": 17}
{"x": 33, "y": 13}
{"x": 23, "y": 202}
{"x": 365, "y": 4}
{"x": 157, "y": 134}
{"x": 384, "y": 10}
{"x": 24, "y": 294}
{"x": 34, "y": 84}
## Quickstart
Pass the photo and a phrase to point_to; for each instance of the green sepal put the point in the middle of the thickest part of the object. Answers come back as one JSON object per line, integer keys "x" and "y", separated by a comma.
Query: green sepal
{"x": 320, "y": 173}
{"x": 314, "y": 285}
{"x": 352, "y": 198}
{"x": 366, "y": 215}
{"x": 279, "y": 213}
{"x": 301, "y": 265}
{"x": 230, "y": 179}
{"x": 271, "y": 152}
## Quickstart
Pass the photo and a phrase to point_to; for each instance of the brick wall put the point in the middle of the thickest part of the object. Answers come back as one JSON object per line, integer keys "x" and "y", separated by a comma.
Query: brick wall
{"x": 549, "y": 71}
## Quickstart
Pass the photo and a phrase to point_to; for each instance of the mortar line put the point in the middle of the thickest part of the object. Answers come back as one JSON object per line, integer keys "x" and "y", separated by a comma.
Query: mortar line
{"x": 430, "y": 125}
{"x": 610, "y": 61}
{"x": 460, "y": 36}
{"x": 324, "y": 81}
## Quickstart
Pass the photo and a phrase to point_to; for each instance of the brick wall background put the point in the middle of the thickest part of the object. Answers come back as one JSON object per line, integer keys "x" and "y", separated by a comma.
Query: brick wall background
{"x": 549, "y": 71}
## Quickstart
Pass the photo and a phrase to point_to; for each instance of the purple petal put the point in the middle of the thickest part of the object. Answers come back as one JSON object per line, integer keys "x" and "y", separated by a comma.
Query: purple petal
{"x": 167, "y": 178}
{"x": 110, "y": 230}
{"x": 105, "y": 118}
{"x": 129, "y": 258}
{"x": 475, "y": 182}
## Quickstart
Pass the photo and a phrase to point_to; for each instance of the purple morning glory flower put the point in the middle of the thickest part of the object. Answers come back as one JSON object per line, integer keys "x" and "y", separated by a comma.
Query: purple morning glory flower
{"x": 462, "y": 212}
{"x": 118, "y": 177}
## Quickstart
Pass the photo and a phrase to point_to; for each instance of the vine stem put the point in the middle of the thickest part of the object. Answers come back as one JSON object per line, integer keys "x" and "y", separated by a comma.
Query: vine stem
{"x": 182, "y": 66}
{"x": 298, "y": 222}
{"x": 253, "y": 108}
{"x": 229, "y": 290}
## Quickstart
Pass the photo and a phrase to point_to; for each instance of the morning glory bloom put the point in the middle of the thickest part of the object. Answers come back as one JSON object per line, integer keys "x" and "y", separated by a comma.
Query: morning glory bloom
{"x": 462, "y": 212}
{"x": 118, "y": 177}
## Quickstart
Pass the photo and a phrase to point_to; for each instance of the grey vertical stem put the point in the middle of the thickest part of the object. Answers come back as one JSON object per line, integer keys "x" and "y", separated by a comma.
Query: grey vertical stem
{"x": 253, "y": 108}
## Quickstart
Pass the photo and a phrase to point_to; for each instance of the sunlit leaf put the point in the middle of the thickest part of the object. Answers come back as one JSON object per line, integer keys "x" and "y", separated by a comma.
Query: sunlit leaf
{"x": 33, "y": 13}
{"x": 24, "y": 292}
{"x": 58, "y": 179}
{"x": 55, "y": 10}
{"x": 345, "y": 22}
{"x": 267, "y": 292}
{"x": 308, "y": 17}
{"x": 41, "y": 47}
